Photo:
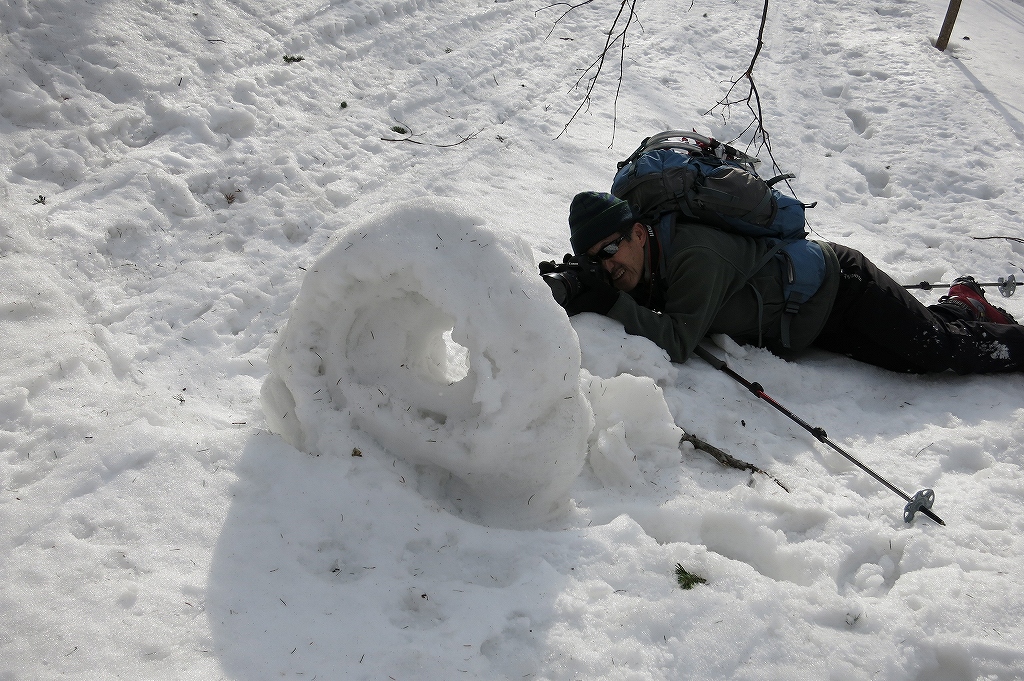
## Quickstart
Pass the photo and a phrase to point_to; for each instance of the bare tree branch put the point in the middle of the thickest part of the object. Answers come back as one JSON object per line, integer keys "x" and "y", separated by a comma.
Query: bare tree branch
{"x": 616, "y": 33}
{"x": 752, "y": 99}
{"x": 564, "y": 14}
{"x": 743, "y": 90}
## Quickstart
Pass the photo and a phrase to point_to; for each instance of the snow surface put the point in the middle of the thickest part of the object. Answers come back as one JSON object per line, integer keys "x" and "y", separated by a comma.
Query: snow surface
{"x": 188, "y": 220}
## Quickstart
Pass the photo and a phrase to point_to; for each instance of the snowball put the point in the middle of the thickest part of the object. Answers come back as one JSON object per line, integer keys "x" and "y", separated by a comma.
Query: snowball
{"x": 428, "y": 331}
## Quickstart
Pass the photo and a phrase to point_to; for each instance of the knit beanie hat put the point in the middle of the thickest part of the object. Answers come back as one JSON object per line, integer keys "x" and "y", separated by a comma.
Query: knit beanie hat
{"x": 594, "y": 216}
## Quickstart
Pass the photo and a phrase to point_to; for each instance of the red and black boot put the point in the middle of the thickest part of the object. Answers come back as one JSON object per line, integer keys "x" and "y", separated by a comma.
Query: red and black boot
{"x": 967, "y": 298}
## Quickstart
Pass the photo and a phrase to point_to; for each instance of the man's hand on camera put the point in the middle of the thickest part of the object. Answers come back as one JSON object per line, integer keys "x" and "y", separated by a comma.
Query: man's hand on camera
{"x": 597, "y": 294}
{"x": 549, "y": 266}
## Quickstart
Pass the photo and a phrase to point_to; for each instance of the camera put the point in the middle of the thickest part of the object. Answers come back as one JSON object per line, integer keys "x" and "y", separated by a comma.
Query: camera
{"x": 564, "y": 278}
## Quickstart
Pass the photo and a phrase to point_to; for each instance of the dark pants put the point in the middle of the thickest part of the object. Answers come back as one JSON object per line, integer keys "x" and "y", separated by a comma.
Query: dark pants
{"x": 875, "y": 320}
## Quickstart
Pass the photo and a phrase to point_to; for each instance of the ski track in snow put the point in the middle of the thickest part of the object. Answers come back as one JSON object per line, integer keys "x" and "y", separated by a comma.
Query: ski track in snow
{"x": 152, "y": 526}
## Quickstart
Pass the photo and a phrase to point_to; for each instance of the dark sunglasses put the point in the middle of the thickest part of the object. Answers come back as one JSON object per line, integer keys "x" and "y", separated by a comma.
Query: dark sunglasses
{"x": 610, "y": 248}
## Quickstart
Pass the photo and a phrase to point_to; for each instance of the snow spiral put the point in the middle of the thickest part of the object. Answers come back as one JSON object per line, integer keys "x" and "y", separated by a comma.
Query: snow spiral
{"x": 430, "y": 331}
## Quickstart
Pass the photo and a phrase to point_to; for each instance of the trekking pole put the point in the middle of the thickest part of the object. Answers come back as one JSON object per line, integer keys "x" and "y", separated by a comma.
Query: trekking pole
{"x": 922, "y": 501}
{"x": 1006, "y": 285}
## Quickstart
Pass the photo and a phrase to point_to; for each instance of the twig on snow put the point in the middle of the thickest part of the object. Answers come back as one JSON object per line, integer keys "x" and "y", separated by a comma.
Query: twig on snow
{"x": 1010, "y": 238}
{"x": 727, "y": 459}
{"x": 462, "y": 140}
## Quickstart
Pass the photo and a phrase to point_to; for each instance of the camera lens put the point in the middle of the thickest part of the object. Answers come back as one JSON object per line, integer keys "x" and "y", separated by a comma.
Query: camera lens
{"x": 559, "y": 285}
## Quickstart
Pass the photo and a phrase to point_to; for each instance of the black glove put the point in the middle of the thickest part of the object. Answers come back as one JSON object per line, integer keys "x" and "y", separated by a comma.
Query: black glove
{"x": 549, "y": 266}
{"x": 597, "y": 294}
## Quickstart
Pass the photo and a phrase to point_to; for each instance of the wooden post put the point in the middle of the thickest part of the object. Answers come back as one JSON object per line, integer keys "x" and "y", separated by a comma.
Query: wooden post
{"x": 947, "y": 25}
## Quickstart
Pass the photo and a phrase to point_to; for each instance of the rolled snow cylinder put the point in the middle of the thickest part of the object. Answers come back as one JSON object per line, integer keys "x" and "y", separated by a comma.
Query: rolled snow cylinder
{"x": 432, "y": 333}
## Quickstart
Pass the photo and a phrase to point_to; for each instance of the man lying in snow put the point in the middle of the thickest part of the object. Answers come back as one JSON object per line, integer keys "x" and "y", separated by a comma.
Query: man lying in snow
{"x": 698, "y": 282}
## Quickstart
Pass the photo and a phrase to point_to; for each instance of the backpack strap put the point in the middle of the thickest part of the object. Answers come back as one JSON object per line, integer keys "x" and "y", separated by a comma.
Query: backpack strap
{"x": 632, "y": 157}
{"x": 767, "y": 257}
{"x": 760, "y": 314}
{"x": 788, "y": 314}
{"x": 665, "y": 228}
{"x": 779, "y": 178}
{"x": 793, "y": 304}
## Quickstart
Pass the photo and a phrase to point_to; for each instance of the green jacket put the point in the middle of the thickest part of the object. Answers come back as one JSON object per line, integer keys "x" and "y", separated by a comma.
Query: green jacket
{"x": 706, "y": 290}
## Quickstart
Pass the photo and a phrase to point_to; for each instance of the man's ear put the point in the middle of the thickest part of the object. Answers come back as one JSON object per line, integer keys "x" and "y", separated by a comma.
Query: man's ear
{"x": 640, "y": 233}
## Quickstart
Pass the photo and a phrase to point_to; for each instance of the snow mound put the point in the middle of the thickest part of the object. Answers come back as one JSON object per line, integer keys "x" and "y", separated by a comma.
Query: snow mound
{"x": 632, "y": 421}
{"x": 430, "y": 332}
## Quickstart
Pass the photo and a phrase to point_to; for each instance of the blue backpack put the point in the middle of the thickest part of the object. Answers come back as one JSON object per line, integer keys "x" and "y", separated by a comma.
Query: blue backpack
{"x": 682, "y": 174}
